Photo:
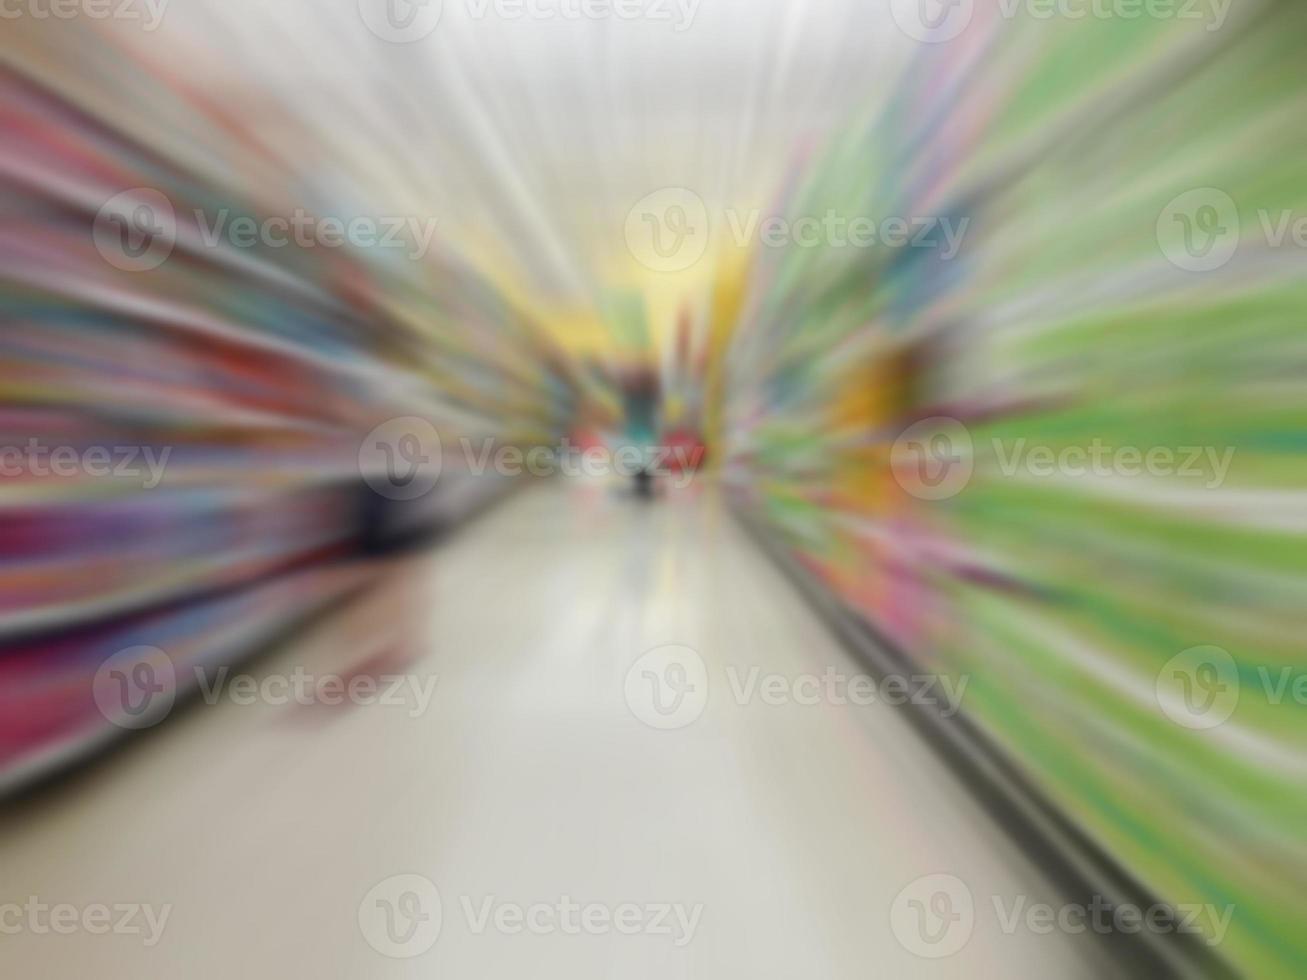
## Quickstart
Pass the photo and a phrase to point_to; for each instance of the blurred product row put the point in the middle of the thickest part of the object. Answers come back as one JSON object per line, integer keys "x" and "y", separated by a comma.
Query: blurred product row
{"x": 1067, "y": 462}
{"x": 212, "y": 446}
{"x": 184, "y": 462}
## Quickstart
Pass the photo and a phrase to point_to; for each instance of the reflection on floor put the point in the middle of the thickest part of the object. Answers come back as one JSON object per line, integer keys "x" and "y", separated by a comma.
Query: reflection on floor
{"x": 779, "y": 834}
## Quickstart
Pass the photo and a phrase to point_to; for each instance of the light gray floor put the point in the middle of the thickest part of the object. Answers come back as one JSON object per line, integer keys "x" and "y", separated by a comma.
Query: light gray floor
{"x": 531, "y": 777}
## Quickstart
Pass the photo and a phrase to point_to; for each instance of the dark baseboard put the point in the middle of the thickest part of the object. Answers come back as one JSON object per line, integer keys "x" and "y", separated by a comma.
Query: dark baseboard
{"x": 1076, "y": 864}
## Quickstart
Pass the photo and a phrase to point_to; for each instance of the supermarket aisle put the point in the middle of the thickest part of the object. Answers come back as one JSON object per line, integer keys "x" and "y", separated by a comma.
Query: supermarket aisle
{"x": 777, "y": 836}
